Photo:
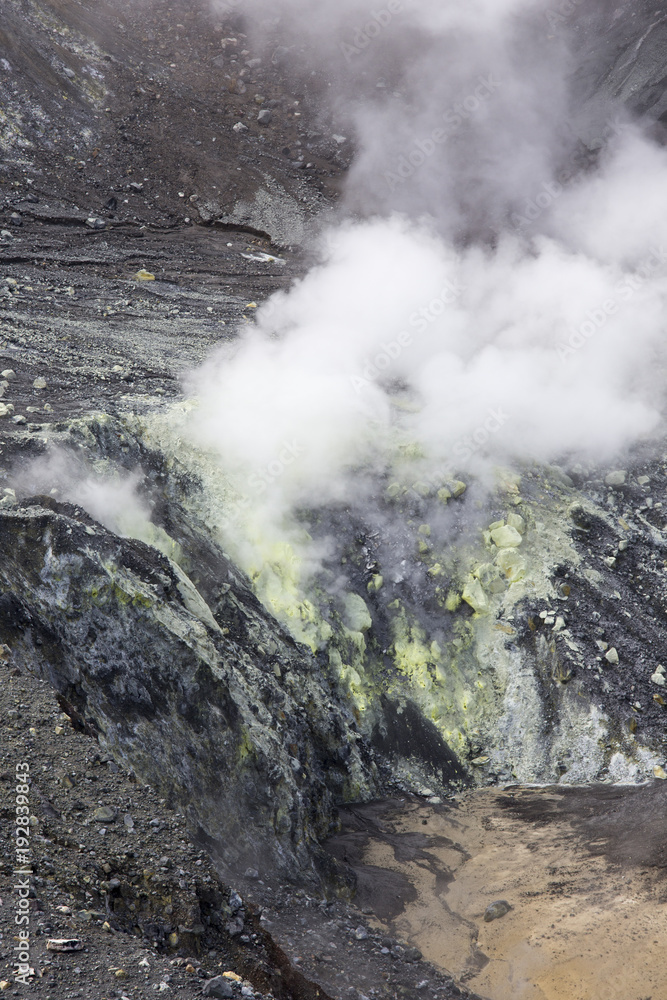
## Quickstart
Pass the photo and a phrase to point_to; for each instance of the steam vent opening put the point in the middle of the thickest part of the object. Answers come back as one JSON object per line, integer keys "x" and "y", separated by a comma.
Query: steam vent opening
{"x": 333, "y": 499}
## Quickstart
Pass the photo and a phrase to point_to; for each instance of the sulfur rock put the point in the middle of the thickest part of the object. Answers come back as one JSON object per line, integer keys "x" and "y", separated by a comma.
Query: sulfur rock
{"x": 506, "y": 537}
{"x": 473, "y": 594}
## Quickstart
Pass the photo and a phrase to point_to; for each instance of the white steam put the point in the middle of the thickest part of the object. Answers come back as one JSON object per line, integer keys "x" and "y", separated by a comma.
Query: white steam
{"x": 113, "y": 500}
{"x": 487, "y": 310}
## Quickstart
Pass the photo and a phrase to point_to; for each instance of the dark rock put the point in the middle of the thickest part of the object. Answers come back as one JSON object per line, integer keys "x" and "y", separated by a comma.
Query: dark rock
{"x": 496, "y": 910}
{"x": 171, "y": 691}
{"x": 218, "y": 987}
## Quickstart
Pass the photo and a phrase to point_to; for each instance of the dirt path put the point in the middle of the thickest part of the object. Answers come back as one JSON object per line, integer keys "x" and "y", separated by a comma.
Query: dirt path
{"x": 588, "y": 902}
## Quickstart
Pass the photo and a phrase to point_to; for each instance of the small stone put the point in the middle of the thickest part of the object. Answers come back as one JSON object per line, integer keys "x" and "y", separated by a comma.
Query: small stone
{"x": 64, "y": 944}
{"x": 658, "y": 699}
{"x": 264, "y": 116}
{"x": 6, "y": 235}
{"x": 15, "y": 219}
{"x": 611, "y": 656}
{"x": 516, "y": 521}
{"x": 473, "y": 594}
{"x": 361, "y": 933}
{"x": 136, "y": 186}
{"x": 506, "y": 537}
{"x": 511, "y": 564}
{"x": 120, "y": 973}
{"x": 4, "y": 984}
{"x": 190, "y": 968}
{"x": 65, "y": 910}
{"x": 251, "y": 873}
{"x": 94, "y": 223}
{"x": 218, "y": 987}
{"x": 58, "y": 730}
{"x": 239, "y": 127}
{"x": 39, "y": 383}
{"x": 496, "y": 909}
{"x": 616, "y": 478}
{"x": 643, "y": 480}
{"x": 8, "y": 373}
{"x": 105, "y": 814}
{"x": 106, "y": 926}
{"x": 658, "y": 678}
{"x": 141, "y": 275}
{"x": 19, "y": 419}
{"x": 659, "y": 772}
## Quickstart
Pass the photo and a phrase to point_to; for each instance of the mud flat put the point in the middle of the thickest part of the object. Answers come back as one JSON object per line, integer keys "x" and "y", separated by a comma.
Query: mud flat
{"x": 582, "y": 869}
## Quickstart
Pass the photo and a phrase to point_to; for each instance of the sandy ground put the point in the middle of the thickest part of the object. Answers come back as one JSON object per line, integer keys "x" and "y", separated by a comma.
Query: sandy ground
{"x": 589, "y": 915}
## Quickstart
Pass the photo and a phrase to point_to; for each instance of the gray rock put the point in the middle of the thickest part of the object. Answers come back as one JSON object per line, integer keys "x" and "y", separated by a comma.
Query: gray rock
{"x": 94, "y": 223}
{"x": 361, "y": 933}
{"x": 105, "y": 814}
{"x": 264, "y": 116}
{"x": 234, "y": 927}
{"x": 616, "y": 478}
{"x": 219, "y": 987}
{"x": 15, "y": 219}
{"x": 496, "y": 910}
